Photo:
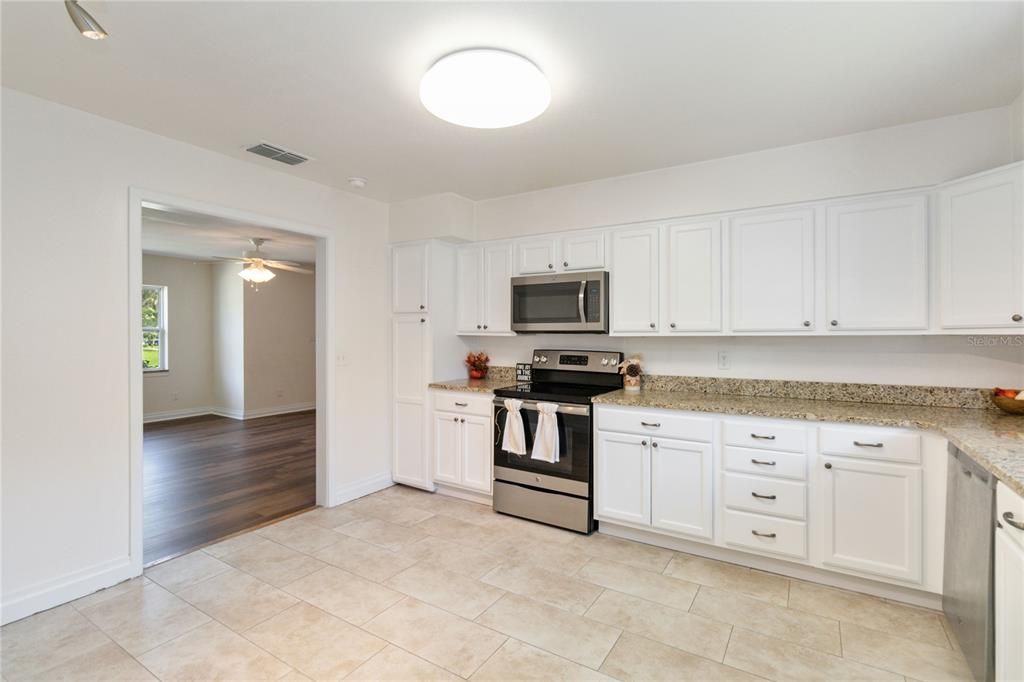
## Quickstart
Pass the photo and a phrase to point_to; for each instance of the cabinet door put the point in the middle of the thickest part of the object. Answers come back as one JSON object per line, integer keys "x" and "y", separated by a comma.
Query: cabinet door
{"x": 623, "y": 478}
{"x": 534, "y": 256}
{"x": 772, "y": 271}
{"x": 411, "y": 461}
{"x": 583, "y": 252}
{"x": 694, "y": 294}
{"x": 1009, "y": 598}
{"x": 882, "y": 537}
{"x": 409, "y": 278}
{"x": 980, "y": 252}
{"x": 497, "y": 289}
{"x": 681, "y": 487}
{"x": 468, "y": 289}
{"x": 447, "y": 447}
{"x": 877, "y": 264}
{"x": 410, "y": 338}
{"x": 477, "y": 453}
{"x": 634, "y": 281}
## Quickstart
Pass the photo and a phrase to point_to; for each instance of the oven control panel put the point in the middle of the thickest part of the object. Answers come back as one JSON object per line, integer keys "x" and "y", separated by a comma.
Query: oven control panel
{"x": 575, "y": 360}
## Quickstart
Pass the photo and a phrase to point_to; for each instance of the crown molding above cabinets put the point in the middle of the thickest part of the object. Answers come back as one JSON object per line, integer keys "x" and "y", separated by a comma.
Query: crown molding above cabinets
{"x": 939, "y": 260}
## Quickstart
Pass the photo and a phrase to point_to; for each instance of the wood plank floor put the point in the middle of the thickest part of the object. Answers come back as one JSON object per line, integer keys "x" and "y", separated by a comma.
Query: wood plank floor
{"x": 208, "y": 477}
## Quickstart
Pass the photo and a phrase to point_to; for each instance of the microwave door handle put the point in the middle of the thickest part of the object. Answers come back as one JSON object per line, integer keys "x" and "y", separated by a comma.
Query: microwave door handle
{"x": 582, "y": 299}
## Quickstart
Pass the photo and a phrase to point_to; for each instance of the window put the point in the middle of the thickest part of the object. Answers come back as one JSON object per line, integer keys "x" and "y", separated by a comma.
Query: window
{"x": 154, "y": 328}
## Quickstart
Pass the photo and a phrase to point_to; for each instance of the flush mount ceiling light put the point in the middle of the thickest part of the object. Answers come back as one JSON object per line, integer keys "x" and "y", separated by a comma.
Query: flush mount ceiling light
{"x": 86, "y": 25}
{"x": 485, "y": 88}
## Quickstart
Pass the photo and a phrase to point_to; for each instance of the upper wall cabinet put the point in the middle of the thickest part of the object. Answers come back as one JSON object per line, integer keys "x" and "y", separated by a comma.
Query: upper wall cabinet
{"x": 534, "y": 256}
{"x": 980, "y": 251}
{"x": 484, "y": 289}
{"x": 634, "y": 281}
{"x": 409, "y": 278}
{"x": 877, "y": 264}
{"x": 693, "y": 273}
{"x": 771, "y": 269}
{"x": 581, "y": 251}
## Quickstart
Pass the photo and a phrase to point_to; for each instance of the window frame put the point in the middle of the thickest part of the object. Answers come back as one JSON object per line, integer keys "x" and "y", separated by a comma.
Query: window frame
{"x": 160, "y": 330}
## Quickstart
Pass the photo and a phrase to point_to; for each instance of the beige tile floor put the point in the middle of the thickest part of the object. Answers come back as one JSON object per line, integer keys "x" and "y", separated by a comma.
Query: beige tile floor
{"x": 405, "y": 585}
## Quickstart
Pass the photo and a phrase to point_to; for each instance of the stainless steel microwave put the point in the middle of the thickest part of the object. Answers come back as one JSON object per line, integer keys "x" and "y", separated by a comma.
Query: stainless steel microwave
{"x": 570, "y": 302}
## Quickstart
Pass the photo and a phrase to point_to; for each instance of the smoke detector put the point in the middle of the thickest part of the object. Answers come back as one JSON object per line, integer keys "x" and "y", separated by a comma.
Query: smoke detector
{"x": 356, "y": 182}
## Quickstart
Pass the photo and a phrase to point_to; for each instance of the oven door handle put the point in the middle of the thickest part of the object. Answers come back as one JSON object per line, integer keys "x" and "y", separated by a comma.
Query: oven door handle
{"x": 531, "y": 405}
{"x": 583, "y": 309}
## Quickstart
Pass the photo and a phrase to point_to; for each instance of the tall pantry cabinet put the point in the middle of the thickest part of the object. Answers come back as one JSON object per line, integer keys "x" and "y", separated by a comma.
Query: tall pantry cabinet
{"x": 424, "y": 349}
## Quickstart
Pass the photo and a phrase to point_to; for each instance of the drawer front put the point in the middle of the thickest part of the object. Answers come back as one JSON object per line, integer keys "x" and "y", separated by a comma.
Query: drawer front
{"x": 896, "y": 445}
{"x": 665, "y": 425}
{"x": 766, "y": 534}
{"x": 765, "y": 462}
{"x": 765, "y": 495}
{"x": 465, "y": 403}
{"x": 766, "y": 436}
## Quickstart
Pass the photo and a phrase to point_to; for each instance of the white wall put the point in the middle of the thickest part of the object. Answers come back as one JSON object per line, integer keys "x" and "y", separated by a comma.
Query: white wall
{"x": 280, "y": 344}
{"x": 186, "y": 388}
{"x": 446, "y": 215}
{"x": 912, "y": 360}
{"x": 228, "y": 347}
{"x": 65, "y": 477}
{"x": 1017, "y": 125}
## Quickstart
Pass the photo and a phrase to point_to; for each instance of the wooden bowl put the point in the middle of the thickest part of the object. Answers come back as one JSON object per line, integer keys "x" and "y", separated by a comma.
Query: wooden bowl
{"x": 1008, "y": 405}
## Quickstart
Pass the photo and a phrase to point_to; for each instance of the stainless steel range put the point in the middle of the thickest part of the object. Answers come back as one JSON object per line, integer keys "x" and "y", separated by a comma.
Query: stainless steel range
{"x": 560, "y": 492}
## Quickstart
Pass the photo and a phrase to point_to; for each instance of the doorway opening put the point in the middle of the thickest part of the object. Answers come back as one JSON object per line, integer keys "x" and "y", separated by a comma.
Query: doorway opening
{"x": 230, "y": 386}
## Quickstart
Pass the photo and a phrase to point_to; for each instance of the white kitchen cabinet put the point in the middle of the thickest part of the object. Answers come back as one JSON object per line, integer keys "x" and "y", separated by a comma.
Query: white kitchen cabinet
{"x": 771, "y": 271}
{"x": 483, "y": 290}
{"x": 477, "y": 455}
{"x": 447, "y": 447}
{"x": 409, "y": 278}
{"x": 411, "y": 342}
{"x": 871, "y": 517}
{"x": 534, "y": 256}
{"x": 1009, "y": 586}
{"x": 981, "y": 251}
{"x": 681, "y": 487}
{"x": 693, "y": 294}
{"x": 623, "y": 478}
{"x": 583, "y": 251}
{"x": 635, "y": 281}
{"x": 410, "y": 463}
{"x": 877, "y": 264}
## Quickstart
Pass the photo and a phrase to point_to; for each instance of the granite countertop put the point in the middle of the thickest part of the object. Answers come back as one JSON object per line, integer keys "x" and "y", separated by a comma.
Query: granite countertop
{"x": 475, "y": 385}
{"x": 993, "y": 439}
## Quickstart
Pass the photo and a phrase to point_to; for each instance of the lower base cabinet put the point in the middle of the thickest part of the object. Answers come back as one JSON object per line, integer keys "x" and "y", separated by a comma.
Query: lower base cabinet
{"x": 1009, "y": 585}
{"x": 462, "y": 441}
{"x": 410, "y": 464}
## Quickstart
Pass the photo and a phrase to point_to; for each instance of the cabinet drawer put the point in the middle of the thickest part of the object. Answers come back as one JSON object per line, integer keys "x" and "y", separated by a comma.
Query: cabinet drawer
{"x": 765, "y": 495}
{"x": 665, "y": 425}
{"x": 764, "y": 533}
{"x": 870, "y": 443}
{"x": 766, "y": 436}
{"x": 464, "y": 403}
{"x": 765, "y": 462}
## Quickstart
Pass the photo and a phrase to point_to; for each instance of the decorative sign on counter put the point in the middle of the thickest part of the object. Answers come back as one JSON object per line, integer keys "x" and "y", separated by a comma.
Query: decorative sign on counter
{"x": 523, "y": 372}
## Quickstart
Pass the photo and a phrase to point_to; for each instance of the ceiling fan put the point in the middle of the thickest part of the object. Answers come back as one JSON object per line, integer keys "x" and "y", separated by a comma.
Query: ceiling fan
{"x": 256, "y": 270}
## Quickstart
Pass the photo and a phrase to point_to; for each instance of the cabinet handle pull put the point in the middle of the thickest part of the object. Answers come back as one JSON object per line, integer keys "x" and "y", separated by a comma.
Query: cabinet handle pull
{"x": 462, "y": 421}
{"x": 455, "y": 419}
{"x": 763, "y": 497}
{"x": 868, "y": 445}
{"x": 643, "y": 443}
{"x": 653, "y": 425}
{"x": 485, "y": 326}
{"x": 478, "y": 327}
{"x": 1016, "y": 317}
{"x": 652, "y": 325}
{"x": 762, "y": 535}
{"x": 461, "y": 404}
{"x": 565, "y": 264}
{"x": 828, "y": 465}
{"x": 762, "y": 461}
{"x": 551, "y": 266}
{"x": 834, "y": 323}
{"x": 672, "y": 324}
{"x": 1008, "y": 517}
{"x": 807, "y": 323}
{"x": 423, "y": 307}
{"x": 654, "y": 443}
{"x": 754, "y": 435}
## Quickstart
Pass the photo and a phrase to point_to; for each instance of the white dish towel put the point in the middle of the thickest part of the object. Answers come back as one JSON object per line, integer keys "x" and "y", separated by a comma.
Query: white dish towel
{"x": 545, "y": 441}
{"x": 514, "y": 440}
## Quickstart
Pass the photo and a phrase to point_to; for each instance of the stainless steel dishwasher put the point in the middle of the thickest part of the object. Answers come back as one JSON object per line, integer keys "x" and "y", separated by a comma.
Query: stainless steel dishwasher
{"x": 967, "y": 583}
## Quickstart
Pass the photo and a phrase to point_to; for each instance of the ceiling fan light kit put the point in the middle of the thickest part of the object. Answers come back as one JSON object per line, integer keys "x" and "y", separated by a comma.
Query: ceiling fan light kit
{"x": 256, "y": 273}
{"x": 257, "y": 268}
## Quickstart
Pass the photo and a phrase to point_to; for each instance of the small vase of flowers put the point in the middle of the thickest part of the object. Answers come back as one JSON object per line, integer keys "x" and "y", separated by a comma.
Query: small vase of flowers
{"x": 477, "y": 364}
{"x": 631, "y": 372}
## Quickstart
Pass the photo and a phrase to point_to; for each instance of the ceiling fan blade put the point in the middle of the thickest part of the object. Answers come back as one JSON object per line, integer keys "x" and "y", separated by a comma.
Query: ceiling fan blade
{"x": 237, "y": 260}
{"x": 272, "y": 261}
{"x": 284, "y": 265}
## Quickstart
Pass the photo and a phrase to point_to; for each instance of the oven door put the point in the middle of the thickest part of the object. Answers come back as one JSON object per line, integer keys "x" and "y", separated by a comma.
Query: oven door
{"x": 574, "y": 438}
{"x": 569, "y": 302}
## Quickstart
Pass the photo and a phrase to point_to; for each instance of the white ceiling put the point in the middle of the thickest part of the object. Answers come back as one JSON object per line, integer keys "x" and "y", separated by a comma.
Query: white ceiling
{"x": 171, "y": 232}
{"x": 634, "y": 86}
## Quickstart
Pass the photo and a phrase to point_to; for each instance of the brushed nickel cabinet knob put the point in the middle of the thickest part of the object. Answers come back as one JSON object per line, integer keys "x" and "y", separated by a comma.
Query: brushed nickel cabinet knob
{"x": 1016, "y": 317}
{"x": 807, "y": 323}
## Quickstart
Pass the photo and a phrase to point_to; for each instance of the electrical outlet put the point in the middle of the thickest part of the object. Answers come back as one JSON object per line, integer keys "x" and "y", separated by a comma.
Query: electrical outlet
{"x": 724, "y": 360}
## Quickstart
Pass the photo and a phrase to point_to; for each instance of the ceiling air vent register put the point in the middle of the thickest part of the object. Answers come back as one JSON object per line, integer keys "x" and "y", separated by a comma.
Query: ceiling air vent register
{"x": 277, "y": 154}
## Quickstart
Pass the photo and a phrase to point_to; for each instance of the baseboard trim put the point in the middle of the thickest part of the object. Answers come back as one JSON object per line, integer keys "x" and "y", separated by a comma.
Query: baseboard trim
{"x": 907, "y": 595}
{"x": 240, "y": 415}
{"x": 282, "y": 409}
{"x": 169, "y": 415}
{"x": 50, "y": 593}
{"x": 361, "y": 488}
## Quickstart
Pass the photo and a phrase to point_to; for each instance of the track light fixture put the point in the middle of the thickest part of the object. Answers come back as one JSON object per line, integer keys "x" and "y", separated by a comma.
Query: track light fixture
{"x": 86, "y": 25}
